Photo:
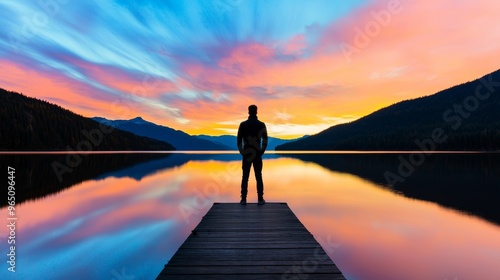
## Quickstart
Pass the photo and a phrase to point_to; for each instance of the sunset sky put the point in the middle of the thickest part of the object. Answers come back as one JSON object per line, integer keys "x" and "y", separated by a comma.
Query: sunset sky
{"x": 197, "y": 65}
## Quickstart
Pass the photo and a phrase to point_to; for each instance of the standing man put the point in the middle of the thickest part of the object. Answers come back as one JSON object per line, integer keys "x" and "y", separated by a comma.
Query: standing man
{"x": 252, "y": 143}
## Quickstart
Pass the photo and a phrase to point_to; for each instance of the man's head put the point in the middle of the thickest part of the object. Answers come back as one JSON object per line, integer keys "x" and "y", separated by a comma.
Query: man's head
{"x": 252, "y": 110}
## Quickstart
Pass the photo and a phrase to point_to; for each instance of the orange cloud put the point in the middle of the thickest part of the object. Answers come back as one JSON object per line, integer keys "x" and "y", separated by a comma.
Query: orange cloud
{"x": 71, "y": 94}
{"x": 53, "y": 88}
{"x": 418, "y": 50}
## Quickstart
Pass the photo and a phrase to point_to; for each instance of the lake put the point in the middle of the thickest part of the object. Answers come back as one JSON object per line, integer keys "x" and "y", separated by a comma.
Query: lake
{"x": 378, "y": 215}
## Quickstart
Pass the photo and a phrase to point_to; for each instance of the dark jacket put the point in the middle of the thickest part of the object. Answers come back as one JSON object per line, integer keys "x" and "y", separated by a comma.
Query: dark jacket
{"x": 252, "y": 136}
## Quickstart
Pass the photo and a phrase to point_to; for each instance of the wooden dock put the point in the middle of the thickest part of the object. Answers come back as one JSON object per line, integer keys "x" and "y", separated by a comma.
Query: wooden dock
{"x": 250, "y": 242}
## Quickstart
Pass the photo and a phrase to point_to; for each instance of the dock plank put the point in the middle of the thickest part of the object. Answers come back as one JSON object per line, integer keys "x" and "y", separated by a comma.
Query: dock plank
{"x": 250, "y": 242}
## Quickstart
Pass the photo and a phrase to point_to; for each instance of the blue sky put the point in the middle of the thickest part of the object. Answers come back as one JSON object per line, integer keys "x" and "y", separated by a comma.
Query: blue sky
{"x": 196, "y": 65}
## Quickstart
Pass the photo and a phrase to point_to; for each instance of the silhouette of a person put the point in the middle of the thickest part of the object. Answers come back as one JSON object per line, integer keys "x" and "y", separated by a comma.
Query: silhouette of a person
{"x": 252, "y": 144}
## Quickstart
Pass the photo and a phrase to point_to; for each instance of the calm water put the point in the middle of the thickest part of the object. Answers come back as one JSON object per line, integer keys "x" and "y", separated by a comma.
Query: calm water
{"x": 124, "y": 216}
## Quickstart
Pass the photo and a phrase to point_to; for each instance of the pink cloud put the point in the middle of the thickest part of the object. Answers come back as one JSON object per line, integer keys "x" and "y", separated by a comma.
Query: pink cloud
{"x": 295, "y": 45}
{"x": 247, "y": 58}
{"x": 71, "y": 94}
{"x": 46, "y": 86}
{"x": 417, "y": 49}
{"x": 422, "y": 48}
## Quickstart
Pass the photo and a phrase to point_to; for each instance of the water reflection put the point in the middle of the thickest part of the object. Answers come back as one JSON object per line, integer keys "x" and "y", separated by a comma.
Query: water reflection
{"x": 130, "y": 220}
{"x": 39, "y": 175}
{"x": 467, "y": 182}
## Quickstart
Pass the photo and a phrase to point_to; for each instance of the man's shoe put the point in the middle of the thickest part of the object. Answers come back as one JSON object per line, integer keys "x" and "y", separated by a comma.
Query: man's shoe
{"x": 261, "y": 201}
{"x": 243, "y": 201}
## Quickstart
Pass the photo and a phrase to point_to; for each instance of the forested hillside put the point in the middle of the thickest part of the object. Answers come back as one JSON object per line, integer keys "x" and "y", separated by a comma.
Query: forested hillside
{"x": 464, "y": 117}
{"x": 29, "y": 124}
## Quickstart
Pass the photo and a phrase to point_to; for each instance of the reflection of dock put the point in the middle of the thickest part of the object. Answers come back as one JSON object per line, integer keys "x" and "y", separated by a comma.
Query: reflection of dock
{"x": 250, "y": 242}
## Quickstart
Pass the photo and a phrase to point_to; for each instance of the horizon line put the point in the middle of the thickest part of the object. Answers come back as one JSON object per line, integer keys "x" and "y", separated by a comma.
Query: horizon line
{"x": 235, "y": 152}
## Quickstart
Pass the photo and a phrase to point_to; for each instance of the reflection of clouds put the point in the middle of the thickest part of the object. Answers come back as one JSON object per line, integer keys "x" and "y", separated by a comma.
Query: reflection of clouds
{"x": 99, "y": 217}
{"x": 372, "y": 230}
{"x": 376, "y": 230}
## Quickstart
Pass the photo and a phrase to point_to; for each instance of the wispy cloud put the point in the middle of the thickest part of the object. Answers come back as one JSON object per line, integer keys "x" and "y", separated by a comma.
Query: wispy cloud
{"x": 194, "y": 65}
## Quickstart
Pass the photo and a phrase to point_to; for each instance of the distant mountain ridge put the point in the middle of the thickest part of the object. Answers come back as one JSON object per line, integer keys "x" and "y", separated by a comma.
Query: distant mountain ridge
{"x": 463, "y": 117}
{"x": 30, "y": 124}
{"x": 230, "y": 141}
{"x": 179, "y": 139}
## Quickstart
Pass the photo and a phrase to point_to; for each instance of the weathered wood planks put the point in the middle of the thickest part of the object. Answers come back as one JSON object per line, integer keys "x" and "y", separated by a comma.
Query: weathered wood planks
{"x": 250, "y": 242}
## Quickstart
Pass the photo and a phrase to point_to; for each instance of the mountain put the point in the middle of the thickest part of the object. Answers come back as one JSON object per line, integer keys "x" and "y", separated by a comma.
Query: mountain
{"x": 230, "y": 141}
{"x": 180, "y": 140}
{"x": 30, "y": 124}
{"x": 464, "y": 117}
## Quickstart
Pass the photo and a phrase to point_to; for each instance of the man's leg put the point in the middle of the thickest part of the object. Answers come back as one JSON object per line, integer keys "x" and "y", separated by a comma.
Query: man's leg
{"x": 257, "y": 167}
{"x": 245, "y": 166}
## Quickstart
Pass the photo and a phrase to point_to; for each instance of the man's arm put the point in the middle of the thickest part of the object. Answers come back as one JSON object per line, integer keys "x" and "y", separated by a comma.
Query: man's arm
{"x": 239, "y": 139}
{"x": 263, "y": 135}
